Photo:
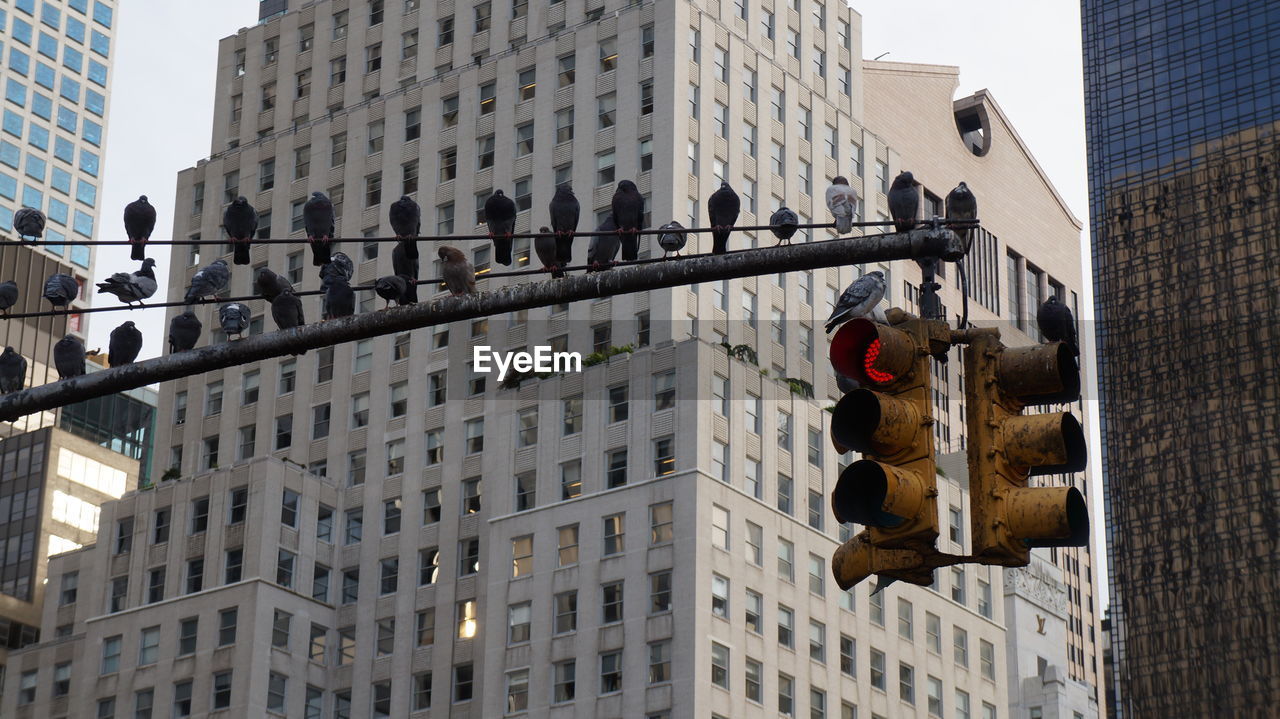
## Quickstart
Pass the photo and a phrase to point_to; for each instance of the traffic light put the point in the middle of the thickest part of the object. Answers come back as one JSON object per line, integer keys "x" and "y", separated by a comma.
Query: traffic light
{"x": 1006, "y": 448}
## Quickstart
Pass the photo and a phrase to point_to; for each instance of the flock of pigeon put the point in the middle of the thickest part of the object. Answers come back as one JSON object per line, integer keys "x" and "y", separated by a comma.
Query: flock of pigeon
{"x": 553, "y": 247}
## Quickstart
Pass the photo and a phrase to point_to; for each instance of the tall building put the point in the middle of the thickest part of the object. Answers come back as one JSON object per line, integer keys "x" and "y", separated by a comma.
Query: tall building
{"x": 649, "y": 537}
{"x": 1182, "y": 112}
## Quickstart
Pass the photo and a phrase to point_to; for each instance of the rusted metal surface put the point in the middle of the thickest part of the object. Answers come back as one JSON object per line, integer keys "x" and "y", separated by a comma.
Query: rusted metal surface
{"x": 858, "y": 558}
{"x": 868, "y": 421}
{"x": 1044, "y": 440}
{"x": 1047, "y": 516}
{"x": 1039, "y": 374}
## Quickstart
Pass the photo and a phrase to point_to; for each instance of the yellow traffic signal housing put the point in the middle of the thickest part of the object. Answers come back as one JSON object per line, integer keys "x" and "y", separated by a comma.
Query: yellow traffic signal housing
{"x": 1005, "y": 448}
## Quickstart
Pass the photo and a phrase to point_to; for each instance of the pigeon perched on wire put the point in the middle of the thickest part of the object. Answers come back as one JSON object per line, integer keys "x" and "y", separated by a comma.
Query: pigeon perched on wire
{"x": 240, "y": 221}
{"x": 209, "y": 281}
{"x": 28, "y": 222}
{"x": 131, "y": 287}
{"x": 500, "y": 218}
{"x": 8, "y": 295}
{"x": 184, "y": 331}
{"x": 13, "y": 371}
{"x": 286, "y": 310}
{"x": 339, "y": 265}
{"x": 125, "y": 344}
{"x": 602, "y": 250}
{"x": 339, "y": 298}
{"x": 60, "y": 289}
{"x": 459, "y": 274}
{"x": 564, "y": 210}
{"x": 842, "y": 201}
{"x": 406, "y": 267}
{"x": 234, "y": 317}
{"x": 962, "y": 205}
{"x": 722, "y": 210}
{"x": 785, "y": 223}
{"x": 318, "y": 219}
{"x": 406, "y": 222}
{"x": 268, "y": 284}
{"x": 858, "y": 299}
{"x": 139, "y": 222}
{"x": 544, "y": 246}
{"x": 672, "y": 241}
{"x": 628, "y": 216}
{"x": 392, "y": 288}
{"x": 68, "y": 357}
{"x": 1057, "y": 323}
{"x": 904, "y": 202}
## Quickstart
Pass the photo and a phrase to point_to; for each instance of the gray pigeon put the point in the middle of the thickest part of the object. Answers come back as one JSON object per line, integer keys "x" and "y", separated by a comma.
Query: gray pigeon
{"x": 209, "y": 281}
{"x": 406, "y": 222}
{"x": 904, "y": 202}
{"x": 339, "y": 265}
{"x": 544, "y": 246}
{"x": 124, "y": 346}
{"x": 459, "y": 274}
{"x": 858, "y": 299}
{"x": 842, "y": 201}
{"x": 500, "y": 218}
{"x": 184, "y": 331}
{"x": 13, "y": 371}
{"x": 60, "y": 289}
{"x": 339, "y": 298}
{"x": 785, "y": 223}
{"x": 1057, "y": 324}
{"x": 317, "y": 217}
{"x": 406, "y": 267}
{"x": 672, "y": 241}
{"x": 391, "y": 288}
{"x": 130, "y": 288}
{"x": 234, "y": 317}
{"x": 28, "y": 222}
{"x": 722, "y": 209}
{"x": 240, "y": 221}
{"x": 286, "y": 310}
{"x": 139, "y": 222}
{"x": 8, "y": 295}
{"x": 564, "y": 210}
{"x": 68, "y": 357}
{"x": 962, "y": 205}
{"x": 268, "y": 284}
{"x": 603, "y": 249}
{"x": 628, "y": 216}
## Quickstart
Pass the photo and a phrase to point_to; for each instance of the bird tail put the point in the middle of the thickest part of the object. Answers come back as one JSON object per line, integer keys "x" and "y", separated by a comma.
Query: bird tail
{"x": 502, "y": 250}
{"x": 410, "y": 296}
{"x": 241, "y": 253}
{"x": 319, "y": 253}
{"x": 139, "y": 251}
{"x": 844, "y": 225}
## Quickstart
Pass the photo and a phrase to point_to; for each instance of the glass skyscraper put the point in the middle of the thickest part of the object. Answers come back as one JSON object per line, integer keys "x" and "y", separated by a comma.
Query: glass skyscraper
{"x": 1182, "y": 103}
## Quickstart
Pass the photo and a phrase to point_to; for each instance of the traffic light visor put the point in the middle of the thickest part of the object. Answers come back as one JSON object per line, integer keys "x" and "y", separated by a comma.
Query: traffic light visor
{"x": 877, "y": 495}
{"x": 1049, "y": 517}
{"x": 868, "y": 421}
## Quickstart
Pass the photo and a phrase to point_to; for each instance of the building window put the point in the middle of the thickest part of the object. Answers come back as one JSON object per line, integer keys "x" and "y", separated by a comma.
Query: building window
{"x": 719, "y": 596}
{"x": 610, "y": 672}
{"x": 786, "y": 626}
{"x": 519, "y": 617}
{"x": 566, "y": 612}
{"x": 522, "y": 556}
{"x": 660, "y": 592}
{"x": 786, "y": 694}
{"x": 564, "y": 689}
{"x": 428, "y": 566}
{"x": 960, "y": 645}
{"x": 467, "y": 624}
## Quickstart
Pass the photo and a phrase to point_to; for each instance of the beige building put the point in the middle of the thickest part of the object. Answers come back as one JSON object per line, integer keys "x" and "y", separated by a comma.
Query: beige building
{"x": 649, "y": 538}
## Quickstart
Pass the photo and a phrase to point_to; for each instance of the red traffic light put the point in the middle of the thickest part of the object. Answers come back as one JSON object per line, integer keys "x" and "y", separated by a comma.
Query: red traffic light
{"x": 872, "y": 353}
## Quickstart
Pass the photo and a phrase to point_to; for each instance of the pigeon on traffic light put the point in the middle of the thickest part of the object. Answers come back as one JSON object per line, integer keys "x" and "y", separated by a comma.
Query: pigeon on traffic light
{"x": 339, "y": 265}
{"x": 318, "y": 219}
{"x": 602, "y": 250}
{"x": 8, "y": 295}
{"x": 628, "y": 216}
{"x": 408, "y": 268}
{"x": 858, "y": 299}
{"x": 68, "y": 357}
{"x": 722, "y": 210}
{"x": 544, "y": 246}
{"x": 184, "y": 331}
{"x": 564, "y": 210}
{"x": 904, "y": 202}
{"x": 785, "y": 223}
{"x": 339, "y": 298}
{"x": 234, "y": 317}
{"x": 60, "y": 289}
{"x": 13, "y": 371}
{"x": 842, "y": 201}
{"x": 130, "y": 288}
{"x": 240, "y": 220}
{"x": 500, "y": 218}
{"x": 406, "y": 222}
{"x": 459, "y": 274}
{"x": 139, "y": 222}
{"x": 392, "y": 288}
{"x": 268, "y": 284}
{"x": 28, "y": 222}
{"x": 124, "y": 346}
{"x": 962, "y": 205}
{"x": 1057, "y": 323}
{"x": 209, "y": 281}
{"x": 672, "y": 241}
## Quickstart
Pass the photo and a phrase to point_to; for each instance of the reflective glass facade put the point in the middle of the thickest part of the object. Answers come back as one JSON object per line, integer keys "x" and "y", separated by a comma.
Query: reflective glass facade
{"x": 1182, "y": 105}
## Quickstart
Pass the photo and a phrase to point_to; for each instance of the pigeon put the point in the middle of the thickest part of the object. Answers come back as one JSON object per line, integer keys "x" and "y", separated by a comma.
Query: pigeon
{"x": 234, "y": 317}
{"x": 28, "y": 222}
{"x": 603, "y": 249}
{"x": 391, "y": 288}
{"x": 406, "y": 222}
{"x": 1056, "y": 323}
{"x": 842, "y": 201}
{"x": 564, "y": 211}
{"x": 962, "y": 205}
{"x": 68, "y": 357}
{"x": 672, "y": 241}
{"x": 317, "y": 216}
{"x": 13, "y": 371}
{"x": 785, "y": 223}
{"x": 139, "y": 222}
{"x": 339, "y": 265}
{"x": 286, "y": 310}
{"x": 500, "y": 217}
{"x": 904, "y": 202}
{"x": 125, "y": 344}
{"x": 268, "y": 284}
{"x": 339, "y": 298}
{"x": 722, "y": 209}
{"x": 405, "y": 267}
{"x": 8, "y": 295}
{"x": 211, "y": 280}
{"x": 184, "y": 331}
{"x": 859, "y": 298}
{"x": 130, "y": 288}
{"x": 61, "y": 289}
{"x": 240, "y": 221}
{"x": 628, "y": 216}
{"x": 544, "y": 246}
{"x": 459, "y": 274}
